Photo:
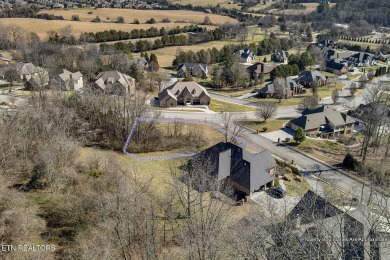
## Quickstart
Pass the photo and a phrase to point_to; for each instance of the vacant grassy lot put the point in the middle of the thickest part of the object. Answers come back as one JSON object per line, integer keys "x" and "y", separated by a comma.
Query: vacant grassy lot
{"x": 295, "y": 188}
{"x": 41, "y": 27}
{"x": 142, "y": 15}
{"x": 221, "y": 106}
{"x": 272, "y": 125}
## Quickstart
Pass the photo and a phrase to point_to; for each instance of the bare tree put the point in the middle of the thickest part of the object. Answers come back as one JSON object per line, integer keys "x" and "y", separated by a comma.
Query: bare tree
{"x": 206, "y": 216}
{"x": 15, "y": 33}
{"x": 335, "y": 95}
{"x": 281, "y": 88}
{"x": 266, "y": 110}
{"x": 352, "y": 89}
{"x": 230, "y": 123}
{"x": 309, "y": 102}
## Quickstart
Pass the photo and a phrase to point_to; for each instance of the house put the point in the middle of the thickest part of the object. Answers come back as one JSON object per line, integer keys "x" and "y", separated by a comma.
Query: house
{"x": 337, "y": 67}
{"x": 324, "y": 121}
{"x": 4, "y": 60}
{"x": 115, "y": 82}
{"x": 362, "y": 59}
{"x": 182, "y": 93}
{"x": 311, "y": 78}
{"x": 346, "y": 230}
{"x": 141, "y": 62}
{"x": 385, "y": 58}
{"x": 67, "y": 80}
{"x": 246, "y": 172}
{"x": 27, "y": 70}
{"x": 268, "y": 91}
{"x": 280, "y": 56}
{"x": 260, "y": 68}
{"x": 244, "y": 55}
{"x": 196, "y": 69}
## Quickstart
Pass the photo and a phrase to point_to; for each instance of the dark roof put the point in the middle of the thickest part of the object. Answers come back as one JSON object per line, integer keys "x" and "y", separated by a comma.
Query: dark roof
{"x": 335, "y": 65}
{"x": 313, "y": 207}
{"x": 190, "y": 66}
{"x": 245, "y": 53}
{"x": 248, "y": 170}
{"x": 260, "y": 67}
{"x": 311, "y": 76}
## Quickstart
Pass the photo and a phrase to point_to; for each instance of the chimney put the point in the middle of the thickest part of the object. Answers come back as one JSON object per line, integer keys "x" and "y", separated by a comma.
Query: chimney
{"x": 298, "y": 222}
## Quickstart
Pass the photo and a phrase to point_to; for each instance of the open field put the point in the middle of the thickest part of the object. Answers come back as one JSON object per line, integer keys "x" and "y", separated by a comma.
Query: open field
{"x": 310, "y": 7}
{"x": 41, "y": 27}
{"x": 111, "y": 14}
{"x": 221, "y": 106}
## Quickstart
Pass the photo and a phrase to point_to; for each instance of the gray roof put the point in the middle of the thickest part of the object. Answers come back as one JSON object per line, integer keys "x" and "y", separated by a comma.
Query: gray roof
{"x": 311, "y": 76}
{"x": 244, "y": 53}
{"x": 190, "y": 66}
{"x": 184, "y": 87}
{"x": 248, "y": 170}
{"x": 65, "y": 75}
{"x": 104, "y": 79}
{"x": 269, "y": 88}
{"x": 314, "y": 118}
{"x": 27, "y": 68}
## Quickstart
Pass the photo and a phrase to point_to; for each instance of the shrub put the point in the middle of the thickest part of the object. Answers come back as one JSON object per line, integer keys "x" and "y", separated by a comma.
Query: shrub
{"x": 299, "y": 135}
{"x": 120, "y": 19}
{"x": 350, "y": 162}
{"x": 287, "y": 170}
{"x": 295, "y": 171}
{"x": 166, "y": 20}
{"x": 96, "y": 19}
{"x": 136, "y": 21}
{"x": 287, "y": 139}
{"x": 265, "y": 129}
{"x": 75, "y": 17}
{"x": 298, "y": 178}
{"x": 276, "y": 182}
{"x": 94, "y": 173}
{"x": 151, "y": 21}
{"x": 288, "y": 177}
{"x": 90, "y": 12}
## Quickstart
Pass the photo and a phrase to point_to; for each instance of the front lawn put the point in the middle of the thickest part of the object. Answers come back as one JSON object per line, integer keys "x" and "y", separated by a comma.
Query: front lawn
{"x": 272, "y": 125}
{"x": 295, "y": 188}
{"x": 222, "y": 106}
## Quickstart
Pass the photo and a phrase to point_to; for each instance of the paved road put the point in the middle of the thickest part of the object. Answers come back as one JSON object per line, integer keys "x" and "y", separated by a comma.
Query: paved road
{"x": 343, "y": 182}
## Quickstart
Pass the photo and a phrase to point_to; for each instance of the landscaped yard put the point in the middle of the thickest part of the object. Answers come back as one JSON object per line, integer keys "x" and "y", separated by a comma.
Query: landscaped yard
{"x": 296, "y": 188}
{"x": 271, "y": 124}
{"x": 221, "y": 106}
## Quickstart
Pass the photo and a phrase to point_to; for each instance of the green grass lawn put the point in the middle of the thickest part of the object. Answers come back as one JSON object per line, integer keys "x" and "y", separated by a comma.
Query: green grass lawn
{"x": 326, "y": 145}
{"x": 296, "y": 189}
{"x": 221, "y": 106}
{"x": 272, "y": 125}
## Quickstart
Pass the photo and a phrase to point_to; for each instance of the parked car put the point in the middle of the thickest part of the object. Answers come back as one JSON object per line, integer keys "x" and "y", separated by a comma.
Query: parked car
{"x": 277, "y": 192}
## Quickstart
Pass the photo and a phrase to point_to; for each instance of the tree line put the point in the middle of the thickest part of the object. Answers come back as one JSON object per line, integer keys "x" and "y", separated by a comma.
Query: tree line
{"x": 165, "y": 41}
{"x": 210, "y": 56}
{"x": 116, "y": 35}
{"x": 28, "y": 12}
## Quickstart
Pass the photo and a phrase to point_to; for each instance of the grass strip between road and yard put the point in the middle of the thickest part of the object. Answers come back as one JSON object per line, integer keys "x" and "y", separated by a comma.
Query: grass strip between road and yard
{"x": 222, "y": 106}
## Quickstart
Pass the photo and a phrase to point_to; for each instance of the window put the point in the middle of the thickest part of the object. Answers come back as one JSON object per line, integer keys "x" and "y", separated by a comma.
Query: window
{"x": 193, "y": 91}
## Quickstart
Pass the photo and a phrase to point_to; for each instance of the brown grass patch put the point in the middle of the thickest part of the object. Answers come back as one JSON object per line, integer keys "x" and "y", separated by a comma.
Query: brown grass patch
{"x": 41, "y": 27}
{"x": 141, "y": 15}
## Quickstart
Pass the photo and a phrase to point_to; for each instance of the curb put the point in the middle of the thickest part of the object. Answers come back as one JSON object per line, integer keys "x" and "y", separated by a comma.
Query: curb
{"x": 381, "y": 191}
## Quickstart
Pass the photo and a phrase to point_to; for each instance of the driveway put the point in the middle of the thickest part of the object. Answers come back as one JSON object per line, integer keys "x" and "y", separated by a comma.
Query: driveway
{"x": 272, "y": 207}
{"x": 282, "y": 134}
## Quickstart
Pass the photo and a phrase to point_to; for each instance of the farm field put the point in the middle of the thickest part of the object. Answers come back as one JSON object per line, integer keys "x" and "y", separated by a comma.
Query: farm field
{"x": 111, "y": 14}
{"x": 310, "y": 7}
{"x": 42, "y": 27}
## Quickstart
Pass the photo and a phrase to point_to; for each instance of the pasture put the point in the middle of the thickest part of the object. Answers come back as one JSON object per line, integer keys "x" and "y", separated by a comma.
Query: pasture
{"x": 42, "y": 27}
{"x": 111, "y": 15}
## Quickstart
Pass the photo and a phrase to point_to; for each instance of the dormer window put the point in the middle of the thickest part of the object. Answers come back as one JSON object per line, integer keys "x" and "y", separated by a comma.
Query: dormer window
{"x": 193, "y": 91}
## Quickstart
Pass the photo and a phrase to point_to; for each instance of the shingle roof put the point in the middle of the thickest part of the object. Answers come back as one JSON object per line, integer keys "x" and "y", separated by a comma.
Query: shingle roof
{"x": 107, "y": 77}
{"x": 311, "y": 76}
{"x": 65, "y": 75}
{"x": 190, "y": 66}
{"x": 184, "y": 87}
{"x": 314, "y": 118}
{"x": 248, "y": 170}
